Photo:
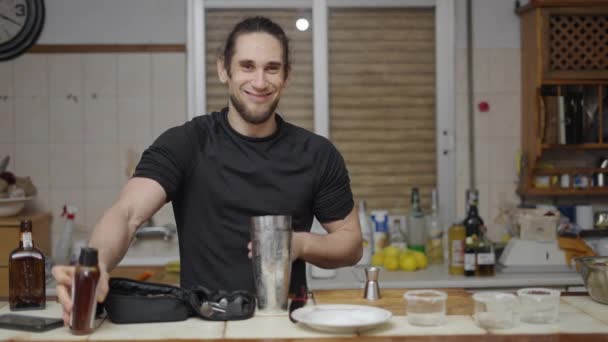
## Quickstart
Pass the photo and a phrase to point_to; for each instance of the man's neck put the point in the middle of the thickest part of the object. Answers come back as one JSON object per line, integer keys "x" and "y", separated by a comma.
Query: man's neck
{"x": 247, "y": 129}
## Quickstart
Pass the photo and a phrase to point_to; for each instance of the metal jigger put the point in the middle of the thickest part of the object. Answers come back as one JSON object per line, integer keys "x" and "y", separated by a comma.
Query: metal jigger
{"x": 372, "y": 290}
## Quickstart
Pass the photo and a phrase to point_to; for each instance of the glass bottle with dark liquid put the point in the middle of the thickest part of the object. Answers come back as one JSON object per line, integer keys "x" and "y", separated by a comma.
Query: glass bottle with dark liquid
{"x": 84, "y": 288}
{"x": 26, "y": 273}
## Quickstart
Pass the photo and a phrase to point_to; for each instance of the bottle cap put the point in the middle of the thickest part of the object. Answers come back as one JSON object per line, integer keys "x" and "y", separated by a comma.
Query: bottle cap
{"x": 26, "y": 225}
{"x": 88, "y": 256}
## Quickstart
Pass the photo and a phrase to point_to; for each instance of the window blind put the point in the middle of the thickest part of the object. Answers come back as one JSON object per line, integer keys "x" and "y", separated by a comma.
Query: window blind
{"x": 296, "y": 104}
{"x": 382, "y": 102}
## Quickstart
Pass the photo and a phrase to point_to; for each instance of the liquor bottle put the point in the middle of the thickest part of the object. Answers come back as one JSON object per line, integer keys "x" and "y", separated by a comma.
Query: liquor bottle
{"x": 86, "y": 277}
{"x": 434, "y": 232}
{"x": 415, "y": 224}
{"x": 26, "y": 273}
{"x": 485, "y": 257}
{"x": 473, "y": 222}
{"x": 456, "y": 243}
{"x": 469, "y": 256}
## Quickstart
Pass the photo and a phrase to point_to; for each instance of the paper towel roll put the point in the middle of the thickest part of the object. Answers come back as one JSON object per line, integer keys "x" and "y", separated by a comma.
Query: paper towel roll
{"x": 584, "y": 216}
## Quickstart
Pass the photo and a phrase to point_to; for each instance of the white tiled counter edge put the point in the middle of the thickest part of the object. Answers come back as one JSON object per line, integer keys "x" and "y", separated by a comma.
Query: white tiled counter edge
{"x": 577, "y": 315}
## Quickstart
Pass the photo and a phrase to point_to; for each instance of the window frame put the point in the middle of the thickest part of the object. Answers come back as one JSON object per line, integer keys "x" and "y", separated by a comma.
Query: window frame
{"x": 444, "y": 82}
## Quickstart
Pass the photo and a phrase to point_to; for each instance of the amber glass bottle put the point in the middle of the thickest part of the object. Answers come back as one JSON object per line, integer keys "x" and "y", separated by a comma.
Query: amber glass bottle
{"x": 84, "y": 287}
{"x": 485, "y": 257}
{"x": 26, "y": 273}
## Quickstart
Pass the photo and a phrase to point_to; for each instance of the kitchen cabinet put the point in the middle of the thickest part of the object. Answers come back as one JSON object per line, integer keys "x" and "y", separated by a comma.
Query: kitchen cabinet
{"x": 10, "y": 235}
{"x": 564, "y": 61}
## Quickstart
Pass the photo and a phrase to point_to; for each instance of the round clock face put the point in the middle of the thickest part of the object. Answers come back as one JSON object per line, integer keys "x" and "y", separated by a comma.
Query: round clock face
{"x": 20, "y": 25}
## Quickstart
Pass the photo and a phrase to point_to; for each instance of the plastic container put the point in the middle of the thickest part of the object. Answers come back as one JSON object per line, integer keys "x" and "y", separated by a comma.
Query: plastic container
{"x": 426, "y": 307}
{"x": 538, "y": 305}
{"x": 494, "y": 310}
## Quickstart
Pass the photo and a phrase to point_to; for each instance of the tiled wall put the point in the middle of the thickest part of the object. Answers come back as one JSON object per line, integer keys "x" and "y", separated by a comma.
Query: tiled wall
{"x": 496, "y": 75}
{"x": 69, "y": 120}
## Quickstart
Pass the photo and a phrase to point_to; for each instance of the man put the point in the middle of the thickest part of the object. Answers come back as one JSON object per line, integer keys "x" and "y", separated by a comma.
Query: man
{"x": 220, "y": 169}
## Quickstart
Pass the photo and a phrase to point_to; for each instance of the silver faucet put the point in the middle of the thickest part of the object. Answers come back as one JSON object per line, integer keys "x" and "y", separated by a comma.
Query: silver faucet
{"x": 166, "y": 232}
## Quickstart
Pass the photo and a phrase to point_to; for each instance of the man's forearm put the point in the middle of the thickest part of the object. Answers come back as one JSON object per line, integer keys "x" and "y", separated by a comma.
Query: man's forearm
{"x": 112, "y": 236}
{"x": 338, "y": 249}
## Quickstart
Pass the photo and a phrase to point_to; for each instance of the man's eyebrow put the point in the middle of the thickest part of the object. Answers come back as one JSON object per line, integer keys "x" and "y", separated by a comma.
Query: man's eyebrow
{"x": 274, "y": 64}
{"x": 246, "y": 62}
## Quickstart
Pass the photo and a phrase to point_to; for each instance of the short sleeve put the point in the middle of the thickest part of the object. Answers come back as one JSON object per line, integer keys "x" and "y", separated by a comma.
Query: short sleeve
{"x": 167, "y": 160}
{"x": 333, "y": 198}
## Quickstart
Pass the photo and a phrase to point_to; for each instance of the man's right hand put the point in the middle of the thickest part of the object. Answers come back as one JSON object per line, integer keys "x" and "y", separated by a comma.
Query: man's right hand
{"x": 64, "y": 276}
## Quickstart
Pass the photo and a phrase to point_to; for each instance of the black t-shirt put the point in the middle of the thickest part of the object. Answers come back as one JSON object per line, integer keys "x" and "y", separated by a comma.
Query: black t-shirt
{"x": 217, "y": 179}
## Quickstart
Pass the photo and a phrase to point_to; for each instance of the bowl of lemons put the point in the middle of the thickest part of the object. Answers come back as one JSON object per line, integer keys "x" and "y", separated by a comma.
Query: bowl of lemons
{"x": 393, "y": 258}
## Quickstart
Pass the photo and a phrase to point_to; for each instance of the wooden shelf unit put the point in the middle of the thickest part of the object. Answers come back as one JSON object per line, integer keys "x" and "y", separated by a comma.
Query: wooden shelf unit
{"x": 563, "y": 44}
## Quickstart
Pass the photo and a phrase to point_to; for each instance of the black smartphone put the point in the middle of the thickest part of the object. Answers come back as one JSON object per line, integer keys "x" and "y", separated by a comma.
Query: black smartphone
{"x": 29, "y": 323}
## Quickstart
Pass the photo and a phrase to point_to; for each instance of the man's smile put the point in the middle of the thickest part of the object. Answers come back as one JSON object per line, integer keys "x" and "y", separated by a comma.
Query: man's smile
{"x": 258, "y": 97}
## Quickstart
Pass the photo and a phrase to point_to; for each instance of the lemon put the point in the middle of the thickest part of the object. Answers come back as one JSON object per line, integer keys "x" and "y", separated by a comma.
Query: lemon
{"x": 391, "y": 251}
{"x": 391, "y": 263}
{"x": 378, "y": 259}
{"x": 421, "y": 260}
{"x": 407, "y": 262}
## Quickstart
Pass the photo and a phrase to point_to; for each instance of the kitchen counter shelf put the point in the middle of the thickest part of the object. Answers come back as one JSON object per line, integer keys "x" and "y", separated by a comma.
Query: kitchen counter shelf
{"x": 436, "y": 276}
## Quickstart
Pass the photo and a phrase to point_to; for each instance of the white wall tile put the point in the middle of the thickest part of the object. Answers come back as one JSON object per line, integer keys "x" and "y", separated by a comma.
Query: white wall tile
{"x": 100, "y": 75}
{"x": 67, "y": 165}
{"x": 134, "y": 121}
{"x": 167, "y": 114}
{"x": 484, "y": 200}
{"x": 7, "y": 119}
{"x": 33, "y": 160}
{"x": 100, "y": 120}
{"x": 168, "y": 248}
{"x": 461, "y": 189}
{"x": 66, "y": 120}
{"x": 6, "y": 78}
{"x": 482, "y": 159}
{"x": 97, "y": 201}
{"x": 65, "y": 75}
{"x": 503, "y": 166}
{"x": 32, "y": 119}
{"x": 42, "y": 200}
{"x": 164, "y": 215}
{"x": 124, "y": 150}
{"x": 504, "y": 72}
{"x": 481, "y": 68}
{"x": 31, "y": 75}
{"x": 169, "y": 76}
{"x": 134, "y": 76}
{"x": 505, "y": 114}
{"x": 101, "y": 165}
{"x": 8, "y": 150}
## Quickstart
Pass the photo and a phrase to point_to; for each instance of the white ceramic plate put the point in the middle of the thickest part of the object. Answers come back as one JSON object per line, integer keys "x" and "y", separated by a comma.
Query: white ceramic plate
{"x": 341, "y": 318}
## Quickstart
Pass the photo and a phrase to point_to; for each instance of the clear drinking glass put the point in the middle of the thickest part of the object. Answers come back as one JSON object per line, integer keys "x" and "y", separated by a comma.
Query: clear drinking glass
{"x": 494, "y": 310}
{"x": 538, "y": 305}
{"x": 426, "y": 307}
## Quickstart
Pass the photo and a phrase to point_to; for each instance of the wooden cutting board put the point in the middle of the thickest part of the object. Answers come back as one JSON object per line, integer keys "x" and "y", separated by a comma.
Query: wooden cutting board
{"x": 459, "y": 301}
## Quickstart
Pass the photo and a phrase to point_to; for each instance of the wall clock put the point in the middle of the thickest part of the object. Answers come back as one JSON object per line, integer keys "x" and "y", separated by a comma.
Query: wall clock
{"x": 21, "y": 22}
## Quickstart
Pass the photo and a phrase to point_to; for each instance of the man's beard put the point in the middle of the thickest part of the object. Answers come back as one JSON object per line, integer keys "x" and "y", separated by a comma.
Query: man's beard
{"x": 250, "y": 117}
